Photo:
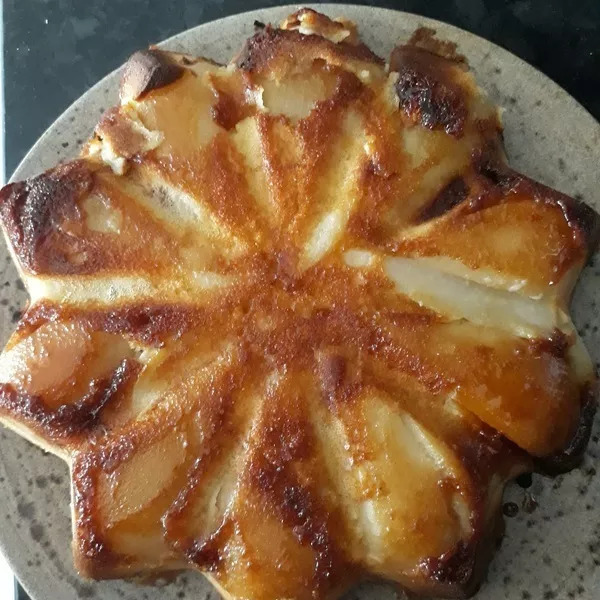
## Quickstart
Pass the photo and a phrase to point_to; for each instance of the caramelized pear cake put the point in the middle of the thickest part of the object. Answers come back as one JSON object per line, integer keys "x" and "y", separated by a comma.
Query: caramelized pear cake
{"x": 295, "y": 322}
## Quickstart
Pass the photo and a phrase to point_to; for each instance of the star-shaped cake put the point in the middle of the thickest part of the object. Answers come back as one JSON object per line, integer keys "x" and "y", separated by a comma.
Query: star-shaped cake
{"x": 294, "y": 321}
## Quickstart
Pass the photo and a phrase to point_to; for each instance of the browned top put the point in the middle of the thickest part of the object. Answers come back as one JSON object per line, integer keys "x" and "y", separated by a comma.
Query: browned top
{"x": 269, "y": 50}
{"x": 32, "y": 211}
{"x": 295, "y": 322}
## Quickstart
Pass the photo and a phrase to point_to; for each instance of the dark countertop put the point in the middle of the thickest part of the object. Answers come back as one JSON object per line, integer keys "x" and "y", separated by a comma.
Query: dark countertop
{"x": 54, "y": 50}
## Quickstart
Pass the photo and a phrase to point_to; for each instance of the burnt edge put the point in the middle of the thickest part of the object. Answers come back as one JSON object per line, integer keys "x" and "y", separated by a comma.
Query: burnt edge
{"x": 269, "y": 42}
{"x": 69, "y": 421}
{"x": 91, "y": 553}
{"x": 427, "y": 91}
{"x": 461, "y": 568}
{"x": 579, "y": 216}
{"x": 461, "y": 571}
{"x": 425, "y": 38}
{"x": 33, "y": 210}
{"x": 147, "y": 70}
{"x": 572, "y": 455}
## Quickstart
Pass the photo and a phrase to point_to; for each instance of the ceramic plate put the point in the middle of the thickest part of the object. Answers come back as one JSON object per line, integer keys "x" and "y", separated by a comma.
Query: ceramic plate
{"x": 553, "y": 552}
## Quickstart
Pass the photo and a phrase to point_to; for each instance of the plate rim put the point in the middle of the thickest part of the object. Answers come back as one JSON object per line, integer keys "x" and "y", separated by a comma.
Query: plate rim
{"x": 581, "y": 113}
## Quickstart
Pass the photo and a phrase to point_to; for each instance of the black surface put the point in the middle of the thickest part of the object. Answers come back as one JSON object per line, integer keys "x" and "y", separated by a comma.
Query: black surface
{"x": 48, "y": 64}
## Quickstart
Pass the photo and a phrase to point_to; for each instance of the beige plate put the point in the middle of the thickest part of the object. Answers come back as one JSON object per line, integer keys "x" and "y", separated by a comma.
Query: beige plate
{"x": 553, "y": 552}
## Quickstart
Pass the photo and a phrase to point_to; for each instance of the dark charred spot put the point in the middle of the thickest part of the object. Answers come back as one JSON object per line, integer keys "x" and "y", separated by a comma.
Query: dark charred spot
{"x": 147, "y": 70}
{"x": 258, "y": 49}
{"x": 427, "y": 91}
{"x": 484, "y": 452}
{"x": 38, "y": 212}
{"x": 488, "y": 164}
{"x": 207, "y": 552}
{"x": 455, "y": 567}
{"x": 449, "y": 197}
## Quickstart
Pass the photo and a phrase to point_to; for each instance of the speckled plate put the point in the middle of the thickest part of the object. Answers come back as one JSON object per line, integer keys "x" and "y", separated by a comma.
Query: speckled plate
{"x": 553, "y": 552}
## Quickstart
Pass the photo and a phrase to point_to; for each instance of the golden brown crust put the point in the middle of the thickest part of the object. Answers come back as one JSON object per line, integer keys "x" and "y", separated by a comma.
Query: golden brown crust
{"x": 295, "y": 322}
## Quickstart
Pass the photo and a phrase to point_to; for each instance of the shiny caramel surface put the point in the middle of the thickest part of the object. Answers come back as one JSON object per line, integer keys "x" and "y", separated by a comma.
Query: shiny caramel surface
{"x": 294, "y": 321}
